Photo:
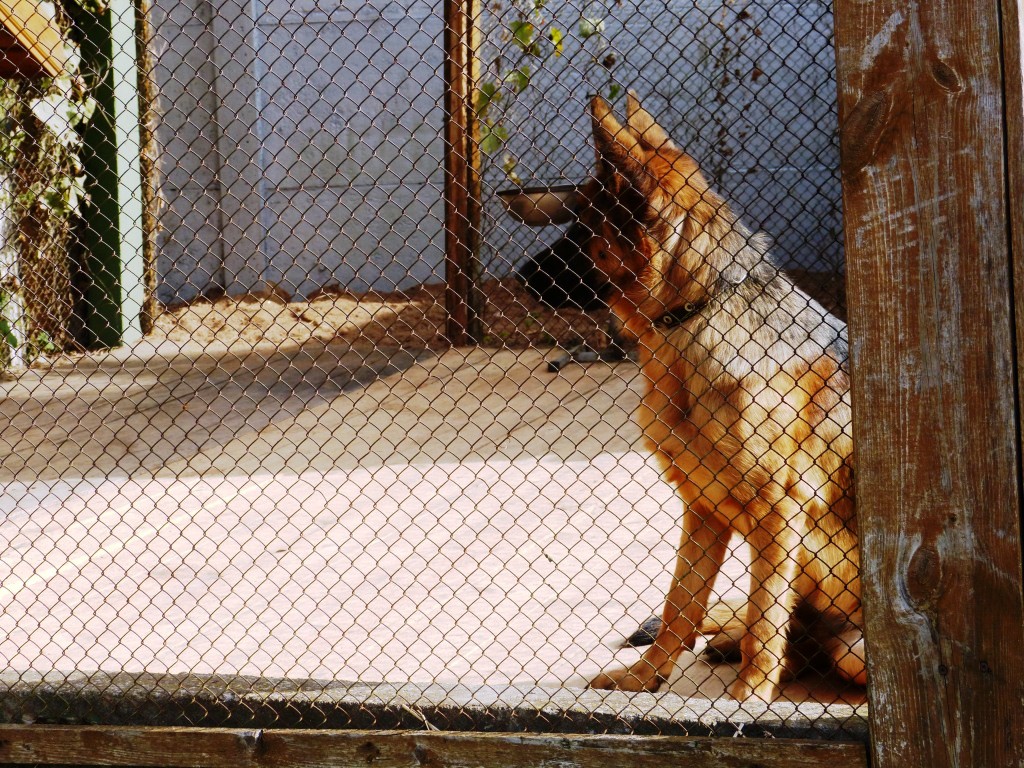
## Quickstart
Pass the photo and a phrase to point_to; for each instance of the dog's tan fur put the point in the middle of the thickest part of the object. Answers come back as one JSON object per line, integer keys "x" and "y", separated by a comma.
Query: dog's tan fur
{"x": 747, "y": 407}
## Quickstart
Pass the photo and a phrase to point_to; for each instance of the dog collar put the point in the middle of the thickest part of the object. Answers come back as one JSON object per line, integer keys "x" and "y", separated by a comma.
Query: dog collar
{"x": 676, "y": 317}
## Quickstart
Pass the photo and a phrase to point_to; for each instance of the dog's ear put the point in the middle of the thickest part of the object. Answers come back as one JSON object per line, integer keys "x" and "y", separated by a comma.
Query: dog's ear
{"x": 618, "y": 149}
{"x": 642, "y": 125}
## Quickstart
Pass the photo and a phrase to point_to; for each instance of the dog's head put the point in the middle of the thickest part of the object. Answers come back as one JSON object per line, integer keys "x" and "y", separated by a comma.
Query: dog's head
{"x": 647, "y": 210}
{"x": 564, "y": 275}
{"x": 644, "y": 240}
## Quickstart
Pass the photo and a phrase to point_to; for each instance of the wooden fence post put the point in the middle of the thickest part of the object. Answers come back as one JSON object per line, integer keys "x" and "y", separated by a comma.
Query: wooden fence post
{"x": 1013, "y": 76}
{"x": 930, "y": 140}
{"x": 462, "y": 176}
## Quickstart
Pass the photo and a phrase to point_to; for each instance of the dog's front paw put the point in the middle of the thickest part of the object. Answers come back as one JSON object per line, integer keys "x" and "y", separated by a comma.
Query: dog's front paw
{"x": 639, "y": 677}
{"x": 742, "y": 690}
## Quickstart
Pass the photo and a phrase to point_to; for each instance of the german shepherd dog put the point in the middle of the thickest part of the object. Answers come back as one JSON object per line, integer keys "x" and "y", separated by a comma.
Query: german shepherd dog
{"x": 746, "y": 407}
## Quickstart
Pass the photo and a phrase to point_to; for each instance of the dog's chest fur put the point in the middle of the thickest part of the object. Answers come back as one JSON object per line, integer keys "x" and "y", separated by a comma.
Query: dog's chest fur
{"x": 750, "y": 394}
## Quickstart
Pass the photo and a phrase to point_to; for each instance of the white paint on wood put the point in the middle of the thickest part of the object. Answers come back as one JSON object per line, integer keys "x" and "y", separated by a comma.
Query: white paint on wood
{"x": 881, "y": 40}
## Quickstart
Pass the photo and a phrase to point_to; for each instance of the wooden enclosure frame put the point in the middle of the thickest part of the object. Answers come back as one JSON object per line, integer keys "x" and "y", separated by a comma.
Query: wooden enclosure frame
{"x": 932, "y": 139}
{"x": 462, "y": 208}
{"x": 930, "y": 125}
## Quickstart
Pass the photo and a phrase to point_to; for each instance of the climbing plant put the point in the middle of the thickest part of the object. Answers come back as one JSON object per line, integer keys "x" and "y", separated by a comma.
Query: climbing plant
{"x": 41, "y": 183}
{"x": 524, "y": 38}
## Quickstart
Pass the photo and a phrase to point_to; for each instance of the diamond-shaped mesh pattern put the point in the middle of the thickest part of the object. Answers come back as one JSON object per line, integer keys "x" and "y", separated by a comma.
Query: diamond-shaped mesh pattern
{"x": 246, "y": 478}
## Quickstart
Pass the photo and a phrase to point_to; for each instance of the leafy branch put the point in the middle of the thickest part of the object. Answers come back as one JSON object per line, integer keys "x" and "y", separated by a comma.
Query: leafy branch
{"x": 525, "y": 45}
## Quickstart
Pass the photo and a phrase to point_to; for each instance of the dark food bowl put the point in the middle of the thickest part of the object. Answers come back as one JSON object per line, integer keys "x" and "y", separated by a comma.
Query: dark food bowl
{"x": 541, "y": 206}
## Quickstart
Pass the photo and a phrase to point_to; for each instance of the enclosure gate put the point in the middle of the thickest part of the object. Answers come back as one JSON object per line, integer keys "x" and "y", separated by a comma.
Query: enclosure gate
{"x": 296, "y": 472}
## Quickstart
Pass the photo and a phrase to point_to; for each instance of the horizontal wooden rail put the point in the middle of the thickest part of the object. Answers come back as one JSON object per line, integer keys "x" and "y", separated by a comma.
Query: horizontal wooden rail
{"x": 237, "y": 748}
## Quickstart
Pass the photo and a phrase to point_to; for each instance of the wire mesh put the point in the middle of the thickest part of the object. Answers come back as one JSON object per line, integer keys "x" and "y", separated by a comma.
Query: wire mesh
{"x": 247, "y": 480}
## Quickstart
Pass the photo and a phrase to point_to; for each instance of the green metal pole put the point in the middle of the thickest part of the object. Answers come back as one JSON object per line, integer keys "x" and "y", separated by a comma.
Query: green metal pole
{"x": 113, "y": 233}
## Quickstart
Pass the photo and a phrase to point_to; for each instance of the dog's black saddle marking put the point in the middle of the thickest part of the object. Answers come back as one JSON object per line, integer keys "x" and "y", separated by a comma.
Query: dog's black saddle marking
{"x": 645, "y": 635}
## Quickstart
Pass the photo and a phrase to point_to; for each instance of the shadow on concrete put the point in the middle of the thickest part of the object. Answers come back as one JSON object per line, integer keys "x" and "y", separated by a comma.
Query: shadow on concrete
{"x": 154, "y": 408}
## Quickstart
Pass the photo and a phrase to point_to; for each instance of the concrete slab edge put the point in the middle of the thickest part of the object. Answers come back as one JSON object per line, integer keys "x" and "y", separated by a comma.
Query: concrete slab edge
{"x": 100, "y": 698}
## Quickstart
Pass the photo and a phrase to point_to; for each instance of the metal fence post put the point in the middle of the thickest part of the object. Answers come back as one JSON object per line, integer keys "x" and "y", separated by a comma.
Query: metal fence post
{"x": 113, "y": 207}
{"x": 462, "y": 185}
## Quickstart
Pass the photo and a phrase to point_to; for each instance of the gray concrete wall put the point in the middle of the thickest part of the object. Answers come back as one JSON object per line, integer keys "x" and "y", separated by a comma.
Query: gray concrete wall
{"x": 301, "y": 141}
{"x": 301, "y": 145}
{"x": 190, "y": 255}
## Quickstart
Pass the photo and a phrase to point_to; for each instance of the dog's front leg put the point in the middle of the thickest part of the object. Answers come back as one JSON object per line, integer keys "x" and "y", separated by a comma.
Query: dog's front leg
{"x": 698, "y": 559}
{"x": 774, "y": 571}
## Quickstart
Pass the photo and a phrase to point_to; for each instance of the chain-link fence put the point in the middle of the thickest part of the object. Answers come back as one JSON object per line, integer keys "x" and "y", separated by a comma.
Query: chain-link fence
{"x": 247, "y": 480}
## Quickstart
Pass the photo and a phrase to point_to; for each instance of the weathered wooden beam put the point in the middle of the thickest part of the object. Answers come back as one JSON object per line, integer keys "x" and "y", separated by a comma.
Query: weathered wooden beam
{"x": 237, "y": 748}
{"x": 924, "y": 110}
{"x": 30, "y": 40}
{"x": 461, "y": 179}
{"x": 1013, "y": 77}
{"x": 149, "y": 159}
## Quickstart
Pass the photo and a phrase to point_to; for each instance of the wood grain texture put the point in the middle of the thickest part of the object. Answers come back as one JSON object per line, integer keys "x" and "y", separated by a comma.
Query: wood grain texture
{"x": 474, "y": 181}
{"x": 1013, "y": 76}
{"x": 929, "y": 263}
{"x": 227, "y": 748}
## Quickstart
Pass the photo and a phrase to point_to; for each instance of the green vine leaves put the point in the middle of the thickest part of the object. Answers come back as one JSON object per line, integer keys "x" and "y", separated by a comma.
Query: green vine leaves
{"x": 41, "y": 126}
{"x": 41, "y": 190}
{"x": 525, "y": 45}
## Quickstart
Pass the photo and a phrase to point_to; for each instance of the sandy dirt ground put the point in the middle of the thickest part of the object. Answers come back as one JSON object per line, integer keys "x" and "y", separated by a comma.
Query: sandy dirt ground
{"x": 307, "y": 507}
{"x": 413, "y": 319}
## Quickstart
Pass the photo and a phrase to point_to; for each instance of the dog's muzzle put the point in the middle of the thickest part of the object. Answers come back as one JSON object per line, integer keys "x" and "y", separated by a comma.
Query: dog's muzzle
{"x": 563, "y": 276}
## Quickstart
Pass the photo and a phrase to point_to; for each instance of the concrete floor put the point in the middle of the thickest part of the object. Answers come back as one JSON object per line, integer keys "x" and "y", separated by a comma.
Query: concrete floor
{"x": 333, "y": 512}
